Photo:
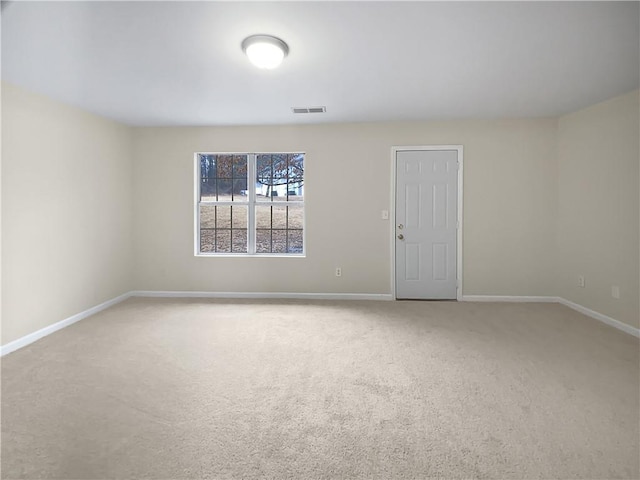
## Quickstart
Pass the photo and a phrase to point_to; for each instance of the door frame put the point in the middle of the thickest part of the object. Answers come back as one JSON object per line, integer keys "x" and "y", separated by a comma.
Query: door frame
{"x": 392, "y": 213}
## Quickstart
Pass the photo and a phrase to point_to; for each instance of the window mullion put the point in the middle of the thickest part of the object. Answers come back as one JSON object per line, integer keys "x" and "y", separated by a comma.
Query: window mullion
{"x": 251, "y": 187}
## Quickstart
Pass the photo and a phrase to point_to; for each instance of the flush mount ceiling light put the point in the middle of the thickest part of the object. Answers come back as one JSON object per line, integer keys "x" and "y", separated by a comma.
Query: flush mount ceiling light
{"x": 265, "y": 51}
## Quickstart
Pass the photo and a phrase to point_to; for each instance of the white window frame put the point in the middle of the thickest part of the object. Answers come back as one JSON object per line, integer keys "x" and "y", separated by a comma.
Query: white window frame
{"x": 251, "y": 208}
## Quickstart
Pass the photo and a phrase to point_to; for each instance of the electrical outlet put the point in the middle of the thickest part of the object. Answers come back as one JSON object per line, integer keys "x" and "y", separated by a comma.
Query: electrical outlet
{"x": 338, "y": 272}
{"x": 581, "y": 281}
{"x": 615, "y": 291}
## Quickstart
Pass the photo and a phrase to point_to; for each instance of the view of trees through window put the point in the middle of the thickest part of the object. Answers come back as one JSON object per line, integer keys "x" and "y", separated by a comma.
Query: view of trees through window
{"x": 265, "y": 216}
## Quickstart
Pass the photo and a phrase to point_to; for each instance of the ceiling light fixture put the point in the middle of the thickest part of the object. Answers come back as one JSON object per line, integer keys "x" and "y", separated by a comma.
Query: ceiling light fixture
{"x": 265, "y": 51}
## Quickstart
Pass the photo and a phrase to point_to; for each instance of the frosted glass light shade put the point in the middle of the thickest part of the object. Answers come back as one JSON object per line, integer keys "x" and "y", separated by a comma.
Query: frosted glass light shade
{"x": 265, "y": 51}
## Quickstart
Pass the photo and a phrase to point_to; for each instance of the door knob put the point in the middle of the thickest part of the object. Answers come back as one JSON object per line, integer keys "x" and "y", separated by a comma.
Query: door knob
{"x": 401, "y": 237}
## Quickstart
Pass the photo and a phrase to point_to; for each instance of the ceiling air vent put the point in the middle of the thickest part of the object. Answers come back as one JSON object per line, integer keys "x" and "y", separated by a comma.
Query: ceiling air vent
{"x": 309, "y": 109}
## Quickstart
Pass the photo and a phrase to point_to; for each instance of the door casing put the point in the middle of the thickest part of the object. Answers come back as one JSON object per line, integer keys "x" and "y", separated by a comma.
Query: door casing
{"x": 459, "y": 269}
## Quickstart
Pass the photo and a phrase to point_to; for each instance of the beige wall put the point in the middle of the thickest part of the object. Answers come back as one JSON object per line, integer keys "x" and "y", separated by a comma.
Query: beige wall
{"x": 598, "y": 163}
{"x": 66, "y": 216}
{"x": 92, "y": 209}
{"x": 509, "y": 207}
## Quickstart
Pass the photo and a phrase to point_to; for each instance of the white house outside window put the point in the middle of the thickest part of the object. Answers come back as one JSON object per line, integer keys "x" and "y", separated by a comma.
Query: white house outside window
{"x": 249, "y": 204}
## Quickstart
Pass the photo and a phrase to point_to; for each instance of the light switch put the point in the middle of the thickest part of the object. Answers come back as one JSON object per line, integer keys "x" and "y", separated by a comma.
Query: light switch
{"x": 385, "y": 214}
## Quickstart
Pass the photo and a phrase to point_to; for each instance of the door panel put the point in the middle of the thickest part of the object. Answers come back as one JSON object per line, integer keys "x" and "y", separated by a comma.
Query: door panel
{"x": 426, "y": 224}
{"x": 413, "y": 201}
{"x": 440, "y": 205}
{"x": 412, "y": 261}
{"x": 439, "y": 261}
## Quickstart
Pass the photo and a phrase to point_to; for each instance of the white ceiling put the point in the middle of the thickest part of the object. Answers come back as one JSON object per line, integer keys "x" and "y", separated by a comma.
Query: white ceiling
{"x": 180, "y": 63}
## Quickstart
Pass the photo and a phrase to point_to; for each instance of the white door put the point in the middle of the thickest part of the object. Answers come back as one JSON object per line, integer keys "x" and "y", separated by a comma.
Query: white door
{"x": 426, "y": 224}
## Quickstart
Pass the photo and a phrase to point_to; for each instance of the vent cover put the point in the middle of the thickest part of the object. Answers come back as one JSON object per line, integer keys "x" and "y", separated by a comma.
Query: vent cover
{"x": 309, "y": 109}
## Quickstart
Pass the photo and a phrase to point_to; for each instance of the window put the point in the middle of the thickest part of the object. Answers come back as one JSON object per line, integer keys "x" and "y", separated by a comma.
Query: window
{"x": 239, "y": 216}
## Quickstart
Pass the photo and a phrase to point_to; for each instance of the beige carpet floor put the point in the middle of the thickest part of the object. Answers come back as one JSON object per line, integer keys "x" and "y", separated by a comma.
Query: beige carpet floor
{"x": 176, "y": 389}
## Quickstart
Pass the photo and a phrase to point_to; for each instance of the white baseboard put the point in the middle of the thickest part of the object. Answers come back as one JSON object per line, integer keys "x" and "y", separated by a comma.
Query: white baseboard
{"x": 264, "y": 295}
{"x": 574, "y": 306}
{"x": 508, "y": 298}
{"x": 600, "y": 316}
{"x": 43, "y": 332}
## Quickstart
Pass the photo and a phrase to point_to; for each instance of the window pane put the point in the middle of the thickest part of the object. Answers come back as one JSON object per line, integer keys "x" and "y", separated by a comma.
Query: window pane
{"x": 296, "y": 216}
{"x": 240, "y": 166}
{"x": 263, "y": 241}
{"x": 223, "y": 228}
{"x": 264, "y": 183}
{"x": 225, "y": 166}
{"x": 207, "y": 216}
{"x": 271, "y": 216}
{"x": 223, "y": 241}
{"x": 263, "y": 216}
{"x": 278, "y": 241}
{"x": 295, "y": 177}
{"x": 296, "y": 195}
{"x": 240, "y": 216}
{"x": 279, "y": 244}
{"x": 271, "y": 241}
{"x": 279, "y": 216}
{"x": 208, "y": 174}
{"x": 279, "y": 177}
{"x": 223, "y": 216}
{"x": 239, "y": 241}
{"x": 223, "y": 177}
{"x": 208, "y": 166}
{"x": 295, "y": 241}
{"x": 279, "y": 224}
{"x": 279, "y": 219}
{"x": 207, "y": 240}
{"x": 208, "y": 189}
{"x": 225, "y": 187}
